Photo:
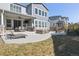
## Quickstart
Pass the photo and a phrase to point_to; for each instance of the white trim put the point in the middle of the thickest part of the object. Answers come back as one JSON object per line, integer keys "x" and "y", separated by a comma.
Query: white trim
{"x": 12, "y": 23}
{"x": 22, "y": 24}
{"x": 2, "y": 18}
{"x": 2, "y": 22}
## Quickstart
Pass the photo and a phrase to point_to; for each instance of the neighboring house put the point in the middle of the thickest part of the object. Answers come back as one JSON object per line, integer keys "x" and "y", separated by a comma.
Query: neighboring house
{"x": 58, "y": 23}
{"x": 24, "y": 16}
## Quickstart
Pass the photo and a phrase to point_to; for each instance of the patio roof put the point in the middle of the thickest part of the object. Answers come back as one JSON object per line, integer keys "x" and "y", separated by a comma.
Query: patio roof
{"x": 17, "y": 15}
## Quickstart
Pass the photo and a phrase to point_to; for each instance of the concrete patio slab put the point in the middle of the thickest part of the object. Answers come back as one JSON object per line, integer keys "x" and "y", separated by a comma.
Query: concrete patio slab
{"x": 31, "y": 37}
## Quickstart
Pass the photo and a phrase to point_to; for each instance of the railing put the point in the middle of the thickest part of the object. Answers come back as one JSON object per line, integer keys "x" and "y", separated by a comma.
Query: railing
{"x": 30, "y": 28}
{"x": 27, "y": 28}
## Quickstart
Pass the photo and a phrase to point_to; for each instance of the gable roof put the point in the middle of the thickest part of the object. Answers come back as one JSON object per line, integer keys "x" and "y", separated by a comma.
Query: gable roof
{"x": 42, "y": 4}
{"x": 20, "y": 4}
{"x": 27, "y": 4}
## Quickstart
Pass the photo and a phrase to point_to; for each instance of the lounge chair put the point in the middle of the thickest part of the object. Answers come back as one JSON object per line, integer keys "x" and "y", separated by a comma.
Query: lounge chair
{"x": 15, "y": 36}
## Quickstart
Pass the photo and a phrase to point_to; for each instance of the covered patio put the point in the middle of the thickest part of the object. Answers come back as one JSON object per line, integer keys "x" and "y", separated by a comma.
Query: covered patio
{"x": 18, "y": 21}
{"x": 14, "y": 21}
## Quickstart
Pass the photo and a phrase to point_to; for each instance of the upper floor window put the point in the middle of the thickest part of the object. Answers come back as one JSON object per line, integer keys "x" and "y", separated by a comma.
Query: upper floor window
{"x": 19, "y": 9}
{"x": 42, "y": 13}
{"x": 39, "y": 12}
{"x": 15, "y": 8}
{"x": 36, "y": 11}
{"x": 45, "y": 14}
{"x": 11, "y": 6}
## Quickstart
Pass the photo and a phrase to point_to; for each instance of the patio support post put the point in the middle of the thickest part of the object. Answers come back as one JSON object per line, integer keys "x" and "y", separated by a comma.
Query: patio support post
{"x": 2, "y": 22}
{"x": 12, "y": 24}
{"x": 22, "y": 24}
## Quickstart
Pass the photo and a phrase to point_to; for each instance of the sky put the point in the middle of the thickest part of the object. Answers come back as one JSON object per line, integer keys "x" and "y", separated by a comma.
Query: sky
{"x": 70, "y": 10}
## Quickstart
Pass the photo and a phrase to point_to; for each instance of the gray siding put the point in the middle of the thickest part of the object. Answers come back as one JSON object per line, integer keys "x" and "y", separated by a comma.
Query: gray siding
{"x": 29, "y": 9}
{"x": 39, "y": 7}
{"x": 6, "y": 6}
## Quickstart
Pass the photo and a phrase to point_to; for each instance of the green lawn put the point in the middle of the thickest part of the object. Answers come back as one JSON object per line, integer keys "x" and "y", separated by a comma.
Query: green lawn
{"x": 31, "y": 49}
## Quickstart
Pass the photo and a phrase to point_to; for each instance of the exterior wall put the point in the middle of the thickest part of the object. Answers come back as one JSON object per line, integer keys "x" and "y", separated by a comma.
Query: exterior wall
{"x": 40, "y": 17}
{"x": 41, "y": 28}
{"x": 40, "y": 7}
{"x": 29, "y": 9}
{"x": 24, "y": 11}
{"x": 6, "y": 6}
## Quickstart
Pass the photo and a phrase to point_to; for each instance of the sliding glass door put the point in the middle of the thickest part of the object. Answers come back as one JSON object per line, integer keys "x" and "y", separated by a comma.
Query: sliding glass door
{"x": 17, "y": 24}
{"x": 8, "y": 24}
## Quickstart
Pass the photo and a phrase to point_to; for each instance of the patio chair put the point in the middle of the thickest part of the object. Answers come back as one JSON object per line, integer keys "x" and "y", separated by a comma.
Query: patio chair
{"x": 15, "y": 36}
{"x": 20, "y": 28}
{"x": 12, "y": 32}
{"x": 11, "y": 35}
{"x": 16, "y": 29}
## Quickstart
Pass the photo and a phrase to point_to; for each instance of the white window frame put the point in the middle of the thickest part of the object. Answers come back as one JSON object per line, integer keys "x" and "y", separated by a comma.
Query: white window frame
{"x": 36, "y": 12}
{"x": 15, "y": 8}
{"x": 39, "y": 12}
{"x": 39, "y": 23}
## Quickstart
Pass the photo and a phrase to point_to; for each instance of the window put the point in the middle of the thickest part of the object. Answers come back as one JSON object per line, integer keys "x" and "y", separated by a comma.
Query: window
{"x": 45, "y": 24}
{"x": 53, "y": 24}
{"x": 39, "y": 23}
{"x": 39, "y": 12}
{"x": 19, "y": 9}
{"x": 11, "y": 6}
{"x": 42, "y": 24}
{"x": 45, "y": 14}
{"x": 15, "y": 8}
{"x": 42, "y": 13}
{"x": 36, "y": 23}
{"x": 8, "y": 23}
{"x": 59, "y": 24}
{"x": 36, "y": 11}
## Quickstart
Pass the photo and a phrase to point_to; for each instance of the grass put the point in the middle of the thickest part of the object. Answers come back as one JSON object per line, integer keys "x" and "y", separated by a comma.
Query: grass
{"x": 43, "y": 48}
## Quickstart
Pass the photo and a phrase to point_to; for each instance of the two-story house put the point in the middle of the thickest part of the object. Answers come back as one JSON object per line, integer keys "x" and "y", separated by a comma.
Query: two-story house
{"x": 23, "y": 16}
{"x": 58, "y": 23}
